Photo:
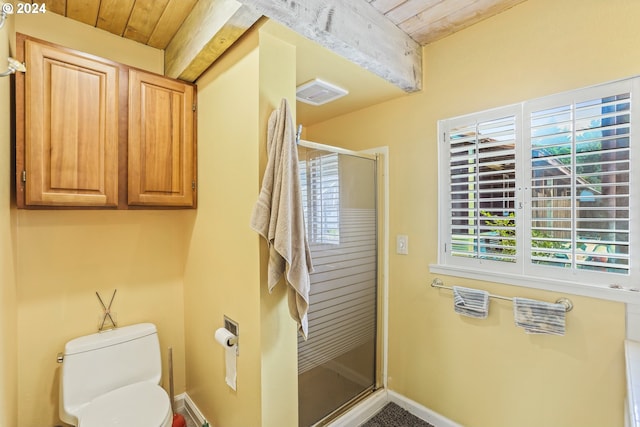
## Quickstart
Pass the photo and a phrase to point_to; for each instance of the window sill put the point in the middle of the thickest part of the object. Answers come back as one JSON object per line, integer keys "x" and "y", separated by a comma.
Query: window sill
{"x": 602, "y": 292}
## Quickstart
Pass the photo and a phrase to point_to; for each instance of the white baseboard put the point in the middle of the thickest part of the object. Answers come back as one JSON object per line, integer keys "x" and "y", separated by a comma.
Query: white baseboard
{"x": 185, "y": 405}
{"x": 420, "y": 411}
{"x": 354, "y": 417}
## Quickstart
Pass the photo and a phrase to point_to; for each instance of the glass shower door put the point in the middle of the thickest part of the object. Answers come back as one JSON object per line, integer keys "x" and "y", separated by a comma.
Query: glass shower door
{"x": 337, "y": 363}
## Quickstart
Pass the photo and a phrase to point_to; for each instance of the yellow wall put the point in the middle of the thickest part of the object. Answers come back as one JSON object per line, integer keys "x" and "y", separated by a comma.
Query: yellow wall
{"x": 8, "y": 313}
{"x": 279, "y": 346}
{"x": 223, "y": 267}
{"x": 226, "y": 264}
{"x": 488, "y": 372}
{"x": 64, "y": 257}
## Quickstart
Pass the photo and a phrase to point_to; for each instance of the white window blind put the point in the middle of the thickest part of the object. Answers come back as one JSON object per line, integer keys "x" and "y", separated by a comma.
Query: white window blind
{"x": 544, "y": 190}
{"x": 320, "y": 183}
{"x": 482, "y": 189}
{"x": 579, "y": 154}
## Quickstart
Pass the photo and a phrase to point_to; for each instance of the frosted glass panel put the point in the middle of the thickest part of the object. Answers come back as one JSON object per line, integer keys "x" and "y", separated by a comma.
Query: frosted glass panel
{"x": 337, "y": 362}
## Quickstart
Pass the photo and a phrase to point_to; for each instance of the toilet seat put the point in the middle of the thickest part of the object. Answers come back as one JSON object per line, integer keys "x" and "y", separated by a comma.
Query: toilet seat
{"x": 143, "y": 404}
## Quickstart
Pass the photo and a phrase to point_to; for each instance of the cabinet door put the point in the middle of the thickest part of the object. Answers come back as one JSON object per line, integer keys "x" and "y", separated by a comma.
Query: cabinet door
{"x": 161, "y": 141}
{"x": 71, "y": 129}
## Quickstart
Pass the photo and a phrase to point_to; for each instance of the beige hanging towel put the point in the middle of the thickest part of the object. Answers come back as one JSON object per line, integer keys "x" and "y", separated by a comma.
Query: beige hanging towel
{"x": 278, "y": 216}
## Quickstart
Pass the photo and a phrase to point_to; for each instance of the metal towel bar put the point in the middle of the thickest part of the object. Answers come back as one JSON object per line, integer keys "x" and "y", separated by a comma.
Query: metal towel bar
{"x": 568, "y": 305}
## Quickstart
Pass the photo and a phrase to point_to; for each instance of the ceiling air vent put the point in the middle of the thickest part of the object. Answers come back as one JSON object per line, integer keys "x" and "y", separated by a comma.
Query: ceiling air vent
{"x": 318, "y": 92}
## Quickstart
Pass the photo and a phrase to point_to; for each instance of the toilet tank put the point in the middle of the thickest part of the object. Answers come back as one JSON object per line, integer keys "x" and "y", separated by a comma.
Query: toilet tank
{"x": 96, "y": 364}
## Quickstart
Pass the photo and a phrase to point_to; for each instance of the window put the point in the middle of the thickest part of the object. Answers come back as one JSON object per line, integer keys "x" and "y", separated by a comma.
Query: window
{"x": 579, "y": 179}
{"x": 542, "y": 192}
{"x": 320, "y": 183}
{"x": 482, "y": 186}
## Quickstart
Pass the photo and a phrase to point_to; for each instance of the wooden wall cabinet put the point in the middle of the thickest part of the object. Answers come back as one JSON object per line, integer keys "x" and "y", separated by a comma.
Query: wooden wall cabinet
{"x": 93, "y": 133}
{"x": 71, "y": 132}
{"x": 161, "y": 149}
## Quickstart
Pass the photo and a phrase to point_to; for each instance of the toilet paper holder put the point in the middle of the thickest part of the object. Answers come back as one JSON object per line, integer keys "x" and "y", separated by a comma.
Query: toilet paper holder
{"x": 233, "y": 327}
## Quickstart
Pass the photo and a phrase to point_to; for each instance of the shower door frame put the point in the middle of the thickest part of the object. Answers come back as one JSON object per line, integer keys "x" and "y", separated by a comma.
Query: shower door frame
{"x": 380, "y": 156}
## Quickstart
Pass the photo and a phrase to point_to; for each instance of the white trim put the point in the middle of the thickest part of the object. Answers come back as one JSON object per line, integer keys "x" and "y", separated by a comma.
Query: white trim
{"x": 185, "y": 405}
{"x": 420, "y": 411}
{"x": 352, "y": 418}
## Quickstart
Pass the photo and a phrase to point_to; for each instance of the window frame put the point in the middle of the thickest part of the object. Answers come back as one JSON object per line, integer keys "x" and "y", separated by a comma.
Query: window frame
{"x": 444, "y": 201}
{"x": 522, "y": 272}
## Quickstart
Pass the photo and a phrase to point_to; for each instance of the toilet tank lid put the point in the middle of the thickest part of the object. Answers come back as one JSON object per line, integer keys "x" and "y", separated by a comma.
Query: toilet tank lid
{"x": 109, "y": 338}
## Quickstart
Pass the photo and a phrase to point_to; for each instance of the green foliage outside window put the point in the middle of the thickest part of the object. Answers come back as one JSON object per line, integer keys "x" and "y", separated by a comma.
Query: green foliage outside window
{"x": 505, "y": 227}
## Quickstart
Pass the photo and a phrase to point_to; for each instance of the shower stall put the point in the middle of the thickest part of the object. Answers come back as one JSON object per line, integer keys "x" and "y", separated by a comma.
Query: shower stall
{"x": 338, "y": 363}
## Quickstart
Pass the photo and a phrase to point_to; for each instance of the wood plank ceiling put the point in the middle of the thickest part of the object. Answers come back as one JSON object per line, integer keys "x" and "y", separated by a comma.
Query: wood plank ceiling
{"x": 426, "y": 21}
{"x": 150, "y": 22}
{"x": 156, "y": 22}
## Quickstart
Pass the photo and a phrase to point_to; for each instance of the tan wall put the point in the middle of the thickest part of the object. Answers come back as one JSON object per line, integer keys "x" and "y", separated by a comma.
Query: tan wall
{"x": 226, "y": 265}
{"x": 490, "y": 373}
{"x": 8, "y": 312}
{"x": 64, "y": 257}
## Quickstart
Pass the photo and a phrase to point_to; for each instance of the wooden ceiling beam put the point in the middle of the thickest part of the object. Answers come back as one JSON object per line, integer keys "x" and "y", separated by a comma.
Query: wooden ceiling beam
{"x": 209, "y": 30}
{"x": 355, "y": 30}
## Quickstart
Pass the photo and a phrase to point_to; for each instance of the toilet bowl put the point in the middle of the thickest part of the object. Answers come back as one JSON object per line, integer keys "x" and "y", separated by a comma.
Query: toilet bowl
{"x": 111, "y": 379}
{"x": 142, "y": 404}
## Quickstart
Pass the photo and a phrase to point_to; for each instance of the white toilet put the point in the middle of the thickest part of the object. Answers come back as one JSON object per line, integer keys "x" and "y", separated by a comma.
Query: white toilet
{"x": 111, "y": 379}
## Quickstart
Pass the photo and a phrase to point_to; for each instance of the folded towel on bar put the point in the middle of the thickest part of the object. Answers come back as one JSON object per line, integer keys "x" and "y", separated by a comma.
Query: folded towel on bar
{"x": 471, "y": 302}
{"x": 539, "y": 317}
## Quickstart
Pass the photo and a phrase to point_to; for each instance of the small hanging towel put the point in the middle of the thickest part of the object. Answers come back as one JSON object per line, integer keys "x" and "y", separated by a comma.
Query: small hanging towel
{"x": 471, "y": 302}
{"x": 539, "y": 317}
